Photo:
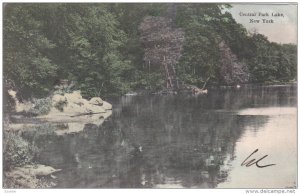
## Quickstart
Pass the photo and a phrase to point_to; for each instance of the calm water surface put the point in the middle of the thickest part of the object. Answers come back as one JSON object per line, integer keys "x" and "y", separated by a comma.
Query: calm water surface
{"x": 182, "y": 142}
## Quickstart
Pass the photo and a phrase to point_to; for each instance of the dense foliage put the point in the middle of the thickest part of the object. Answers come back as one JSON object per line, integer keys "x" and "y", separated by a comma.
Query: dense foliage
{"x": 16, "y": 151}
{"x": 98, "y": 47}
{"x": 208, "y": 25}
{"x": 162, "y": 45}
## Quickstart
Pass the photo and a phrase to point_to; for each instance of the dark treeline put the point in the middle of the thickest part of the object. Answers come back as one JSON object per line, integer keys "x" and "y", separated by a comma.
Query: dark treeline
{"x": 98, "y": 47}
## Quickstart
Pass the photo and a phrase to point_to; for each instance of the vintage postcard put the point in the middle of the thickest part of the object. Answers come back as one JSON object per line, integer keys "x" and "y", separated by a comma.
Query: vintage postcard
{"x": 149, "y": 95}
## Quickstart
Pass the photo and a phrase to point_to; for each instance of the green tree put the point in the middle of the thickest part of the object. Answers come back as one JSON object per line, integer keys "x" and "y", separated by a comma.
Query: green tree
{"x": 200, "y": 59}
{"x": 78, "y": 42}
{"x": 26, "y": 66}
{"x": 98, "y": 47}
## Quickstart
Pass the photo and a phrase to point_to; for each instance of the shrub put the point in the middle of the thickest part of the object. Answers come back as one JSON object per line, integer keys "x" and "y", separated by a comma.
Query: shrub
{"x": 16, "y": 151}
{"x": 60, "y": 105}
{"x": 64, "y": 88}
{"x": 41, "y": 106}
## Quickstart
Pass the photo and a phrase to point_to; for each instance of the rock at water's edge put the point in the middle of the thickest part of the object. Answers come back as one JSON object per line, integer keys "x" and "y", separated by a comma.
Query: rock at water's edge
{"x": 72, "y": 104}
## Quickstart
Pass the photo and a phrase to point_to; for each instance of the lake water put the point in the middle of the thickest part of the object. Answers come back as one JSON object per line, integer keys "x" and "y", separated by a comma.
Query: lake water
{"x": 182, "y": 142}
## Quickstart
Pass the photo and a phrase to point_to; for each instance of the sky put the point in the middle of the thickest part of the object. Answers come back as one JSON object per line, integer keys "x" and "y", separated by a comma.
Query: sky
{"x": 283, "y": 30}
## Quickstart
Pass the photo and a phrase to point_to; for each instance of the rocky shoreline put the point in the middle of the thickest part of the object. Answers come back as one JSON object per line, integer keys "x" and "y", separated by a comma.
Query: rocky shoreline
{"x": 31, "y": 176}
{"x": 68, "y": 114}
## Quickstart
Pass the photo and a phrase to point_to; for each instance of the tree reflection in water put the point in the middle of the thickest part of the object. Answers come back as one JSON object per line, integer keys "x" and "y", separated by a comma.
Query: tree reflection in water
{"x": 161, "y": 141}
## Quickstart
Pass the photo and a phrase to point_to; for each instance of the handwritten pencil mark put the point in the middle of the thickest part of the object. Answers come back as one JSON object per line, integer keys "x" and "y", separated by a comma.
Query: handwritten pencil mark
{"x": 254, "y": 161}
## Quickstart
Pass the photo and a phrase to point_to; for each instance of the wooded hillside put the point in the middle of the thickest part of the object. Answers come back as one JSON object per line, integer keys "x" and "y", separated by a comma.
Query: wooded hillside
{"x": 105, "y": 49}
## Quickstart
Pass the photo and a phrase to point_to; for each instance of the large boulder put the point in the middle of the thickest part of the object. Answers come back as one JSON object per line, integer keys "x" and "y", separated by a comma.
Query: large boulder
{"x": 74, "y": 103}
{"x": 107, "y": 106}
{"x": 20, "y": 106}
{"x": 57, "y": 99}
{"x": 71, "y": 107}
{"x": 36, "y": 170}
{"x": 90, "y": 108}
{"x": 74, "y": 97}
{"x": 27, "y": 176}
{"x": 96, "y": 101}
